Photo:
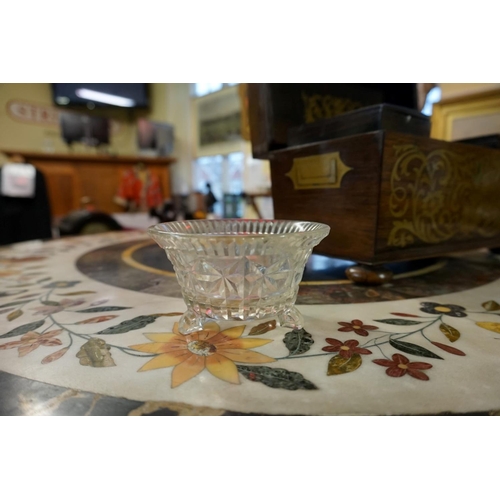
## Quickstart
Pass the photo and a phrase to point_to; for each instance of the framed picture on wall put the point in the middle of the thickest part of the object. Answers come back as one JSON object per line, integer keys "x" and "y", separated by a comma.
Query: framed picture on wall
{"x": 467, "y": 116}
{"x": 218, "y": 122}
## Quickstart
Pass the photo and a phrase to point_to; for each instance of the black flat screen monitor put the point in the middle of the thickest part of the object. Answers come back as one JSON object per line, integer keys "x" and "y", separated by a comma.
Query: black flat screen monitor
{"x": 155, "y": 136}
{"x": 124, "y": 95}
{"x": 90, "y": 130}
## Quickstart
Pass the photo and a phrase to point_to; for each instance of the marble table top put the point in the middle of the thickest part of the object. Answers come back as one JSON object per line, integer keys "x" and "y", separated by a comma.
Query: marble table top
{"x": 86, "y": 328}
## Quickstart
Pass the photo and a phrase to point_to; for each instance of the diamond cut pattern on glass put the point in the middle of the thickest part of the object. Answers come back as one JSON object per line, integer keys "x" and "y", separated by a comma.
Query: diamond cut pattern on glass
{"x": 239, "y": 269}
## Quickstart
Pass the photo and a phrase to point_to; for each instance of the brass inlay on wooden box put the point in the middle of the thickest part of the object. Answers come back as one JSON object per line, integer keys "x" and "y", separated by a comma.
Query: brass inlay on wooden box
{"x": 440, "y": 196}
{"x": 316, "y": 172}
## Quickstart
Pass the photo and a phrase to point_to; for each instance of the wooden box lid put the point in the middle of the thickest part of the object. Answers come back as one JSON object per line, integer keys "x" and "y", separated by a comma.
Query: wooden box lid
{"x": 274, "y": 108}
{"x": 361, "y": 121}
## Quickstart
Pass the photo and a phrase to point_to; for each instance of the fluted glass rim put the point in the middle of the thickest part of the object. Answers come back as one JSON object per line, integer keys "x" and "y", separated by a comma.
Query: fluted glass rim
{"x": 301, "y": 228}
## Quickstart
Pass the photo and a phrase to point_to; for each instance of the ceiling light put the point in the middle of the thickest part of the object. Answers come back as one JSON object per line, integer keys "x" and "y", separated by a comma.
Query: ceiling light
{"x": 115, "y": 100}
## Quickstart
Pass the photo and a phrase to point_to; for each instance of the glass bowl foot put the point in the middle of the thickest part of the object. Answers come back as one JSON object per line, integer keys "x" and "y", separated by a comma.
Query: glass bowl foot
{"x": 191, "y": 322}
{"x": 291, "y": 318}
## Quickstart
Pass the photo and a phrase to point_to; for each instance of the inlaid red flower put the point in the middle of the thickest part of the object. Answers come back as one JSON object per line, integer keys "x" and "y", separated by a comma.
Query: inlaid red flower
{"x": 356, "y": 326}
{"x": 401, "y": 365}
{"x": 345, "y": 349}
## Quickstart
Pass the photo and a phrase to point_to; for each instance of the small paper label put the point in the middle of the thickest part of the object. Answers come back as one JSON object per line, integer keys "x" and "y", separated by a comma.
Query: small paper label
{"x": 18, "y": 180}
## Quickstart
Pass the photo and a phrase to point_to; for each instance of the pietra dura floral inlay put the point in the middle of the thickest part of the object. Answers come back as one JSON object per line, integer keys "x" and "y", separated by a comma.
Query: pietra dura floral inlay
{"x": 53, "y": 315}
{"x": 220, "y": 351}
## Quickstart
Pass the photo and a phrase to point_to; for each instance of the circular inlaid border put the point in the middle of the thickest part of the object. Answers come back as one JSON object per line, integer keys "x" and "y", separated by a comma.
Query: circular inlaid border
{"x": 123, "y": 265}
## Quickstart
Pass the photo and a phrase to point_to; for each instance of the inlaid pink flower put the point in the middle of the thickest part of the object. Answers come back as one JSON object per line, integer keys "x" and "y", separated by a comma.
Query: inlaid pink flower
{"x": 33, "y": 340}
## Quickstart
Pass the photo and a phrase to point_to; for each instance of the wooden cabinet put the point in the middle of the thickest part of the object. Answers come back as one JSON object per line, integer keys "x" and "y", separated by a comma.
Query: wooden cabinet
{"x": 71, "y": 177}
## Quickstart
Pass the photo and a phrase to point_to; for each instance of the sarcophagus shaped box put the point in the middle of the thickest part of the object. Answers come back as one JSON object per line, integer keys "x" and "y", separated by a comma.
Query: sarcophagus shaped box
{"x": 389, "y": 194}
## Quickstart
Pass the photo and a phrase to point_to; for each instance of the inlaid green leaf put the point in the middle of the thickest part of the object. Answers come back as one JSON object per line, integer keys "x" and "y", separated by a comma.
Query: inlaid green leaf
{"x": 8, "y": 294}
{"x": 414, "y": 349}
{"x": 61, "y": 284}
{"x": 74, "y": 293}
{"x": 17, "y": 303}
{"x": 102, "y": 309}
{"x": 128, "y": 325}
{"x": 406, "y": 315}
{"x": 452, "y": 333}
{"x": 44, "y": 280}
{"x": 338, "y": 365}
{"x": 298, "y": 341}
{"x": 400, "y": 322}
{"x": 4, "y": 311}
{"x": 491, "y": 305}
{"x": 21, "y": 330}
{"x": 50, "y": 303}
{"x": 159, "y": 315}
{"x": 14, "y": 315}
{"x": 277, "y": 378}
{"x": 263, "y": 328}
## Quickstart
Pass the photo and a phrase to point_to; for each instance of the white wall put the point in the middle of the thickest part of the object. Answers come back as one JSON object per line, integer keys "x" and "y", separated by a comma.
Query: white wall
{"x": 178, "y": 113}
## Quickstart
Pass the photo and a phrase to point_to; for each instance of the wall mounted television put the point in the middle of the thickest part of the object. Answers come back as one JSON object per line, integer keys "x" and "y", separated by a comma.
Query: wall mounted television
{"x": 155, "y": 137}
{"x": 89, "y": 130}
{"x": 93, "y": 95}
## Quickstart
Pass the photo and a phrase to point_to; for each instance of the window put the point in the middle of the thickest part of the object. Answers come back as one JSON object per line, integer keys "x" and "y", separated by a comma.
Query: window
{"x": 433, "y": 97}
{"x": 201, "y": 89}
{"x": 233, "y": 178}
{"x": 222, "y": 158}
{"x": 224, "y": 173}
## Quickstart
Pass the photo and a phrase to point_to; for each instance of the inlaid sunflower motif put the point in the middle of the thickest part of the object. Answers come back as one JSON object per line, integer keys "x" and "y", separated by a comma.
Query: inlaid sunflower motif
{"x": 448, "y": 309}
{"x": 210, "y": 348}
